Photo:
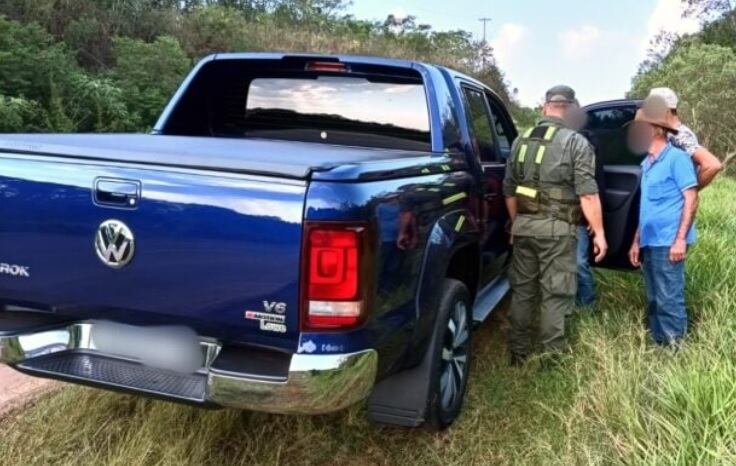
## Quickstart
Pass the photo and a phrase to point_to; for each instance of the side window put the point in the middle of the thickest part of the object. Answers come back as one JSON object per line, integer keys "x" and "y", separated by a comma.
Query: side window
{"x": 606, "y": 130}
{"x": 504, "y": 131}
{"x": 480, "y": 123}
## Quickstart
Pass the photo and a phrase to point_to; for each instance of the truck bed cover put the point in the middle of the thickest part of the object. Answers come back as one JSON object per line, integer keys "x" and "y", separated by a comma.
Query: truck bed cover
{"x": 286, "y": 159}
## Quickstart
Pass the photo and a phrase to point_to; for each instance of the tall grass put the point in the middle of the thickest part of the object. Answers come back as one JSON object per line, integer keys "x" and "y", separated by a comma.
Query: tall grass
{"x": 643, "y": 404}
{"x": 618, "y": 400}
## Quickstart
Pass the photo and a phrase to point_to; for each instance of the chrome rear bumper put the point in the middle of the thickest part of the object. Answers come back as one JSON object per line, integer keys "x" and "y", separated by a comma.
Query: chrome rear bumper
{"x": 313, "y": 384}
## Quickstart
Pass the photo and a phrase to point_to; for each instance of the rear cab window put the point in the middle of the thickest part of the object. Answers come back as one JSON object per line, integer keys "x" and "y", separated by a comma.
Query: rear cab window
{"x": 369, "y": 106}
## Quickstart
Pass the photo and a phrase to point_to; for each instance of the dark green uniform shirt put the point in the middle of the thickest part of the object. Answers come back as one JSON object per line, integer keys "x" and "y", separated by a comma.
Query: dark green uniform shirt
{"x": 569, "y": 163}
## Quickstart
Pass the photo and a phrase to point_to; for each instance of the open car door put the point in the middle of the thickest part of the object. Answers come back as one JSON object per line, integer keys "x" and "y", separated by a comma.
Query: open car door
{"x": 620, "y": 177}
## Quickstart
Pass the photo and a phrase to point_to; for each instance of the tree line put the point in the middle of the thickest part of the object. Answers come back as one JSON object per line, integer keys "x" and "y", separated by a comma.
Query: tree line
{"x": 111, "y": 65}
{"x": 702, "y": 69}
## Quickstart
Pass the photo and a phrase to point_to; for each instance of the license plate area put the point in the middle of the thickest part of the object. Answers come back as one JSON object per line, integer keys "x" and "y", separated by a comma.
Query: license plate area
{"x": 176, "y": 349}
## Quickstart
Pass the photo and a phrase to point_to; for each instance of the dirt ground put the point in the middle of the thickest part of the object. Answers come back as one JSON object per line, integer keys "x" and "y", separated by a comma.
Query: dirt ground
{"x": 17, "y": 390}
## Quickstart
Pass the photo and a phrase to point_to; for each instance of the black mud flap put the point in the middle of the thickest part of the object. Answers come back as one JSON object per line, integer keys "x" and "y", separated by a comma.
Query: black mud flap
{"x": 402, "y": 399}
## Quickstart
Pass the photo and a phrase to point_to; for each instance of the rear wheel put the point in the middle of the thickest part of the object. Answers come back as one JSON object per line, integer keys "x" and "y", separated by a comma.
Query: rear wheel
{"x": 451, "y": 363}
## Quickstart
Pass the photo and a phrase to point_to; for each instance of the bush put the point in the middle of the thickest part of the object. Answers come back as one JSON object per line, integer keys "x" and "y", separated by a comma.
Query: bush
{"x": 148, "y": 74}
{"x": 215, "y": 29}
{"x": 18, "y": 114}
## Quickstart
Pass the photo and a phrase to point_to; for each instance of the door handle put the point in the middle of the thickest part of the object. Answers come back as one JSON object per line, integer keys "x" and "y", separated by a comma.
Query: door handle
{"x": 117, "y": 193}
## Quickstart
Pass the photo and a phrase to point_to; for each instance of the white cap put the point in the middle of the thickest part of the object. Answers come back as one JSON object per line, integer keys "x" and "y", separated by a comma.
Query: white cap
{"x": 667, "y": 94}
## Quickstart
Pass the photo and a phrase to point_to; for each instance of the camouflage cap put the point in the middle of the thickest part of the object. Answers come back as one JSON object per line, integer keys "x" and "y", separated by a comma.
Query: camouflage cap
{"x": 564, "y": 94}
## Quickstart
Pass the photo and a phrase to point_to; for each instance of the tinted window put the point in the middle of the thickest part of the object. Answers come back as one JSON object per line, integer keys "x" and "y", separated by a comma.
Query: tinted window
{"x": 502, "y": 129}
{"x": 606, "y": 130}
{"x": 480, "y": 123}
{"x": 337, "y": 110}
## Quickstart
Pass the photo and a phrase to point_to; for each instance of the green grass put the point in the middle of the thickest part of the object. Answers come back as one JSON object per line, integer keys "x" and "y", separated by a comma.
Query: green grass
{"x": 617, "y": 400}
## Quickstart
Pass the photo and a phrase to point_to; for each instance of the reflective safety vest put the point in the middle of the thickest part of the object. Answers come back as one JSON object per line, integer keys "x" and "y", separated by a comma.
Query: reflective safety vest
{"x": 538, "y": 190}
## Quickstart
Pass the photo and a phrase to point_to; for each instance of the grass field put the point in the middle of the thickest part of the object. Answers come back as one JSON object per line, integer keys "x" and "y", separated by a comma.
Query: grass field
{"x": 617, "y": 400}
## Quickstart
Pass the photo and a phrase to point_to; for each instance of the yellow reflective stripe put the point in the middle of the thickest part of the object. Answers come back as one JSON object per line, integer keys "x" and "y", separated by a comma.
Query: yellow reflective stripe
{"x": 446, "y": 168}
{"x": 434, "y": 189}
{"x": 522, "y": 152}
{"x": 524, "y": 191}
{"x": 460, "y": 222}
{"x": 426, "y": 170}
{"x": 453, "y": 198}
{"x": 540, "y": 154}
{"x": 528, "y": 132}
{"x": 550, "y": 133}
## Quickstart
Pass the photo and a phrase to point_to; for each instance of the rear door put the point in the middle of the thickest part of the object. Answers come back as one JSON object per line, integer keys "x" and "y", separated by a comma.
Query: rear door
{"x": 491, "y": 152}
{"x": 619, "y": 178}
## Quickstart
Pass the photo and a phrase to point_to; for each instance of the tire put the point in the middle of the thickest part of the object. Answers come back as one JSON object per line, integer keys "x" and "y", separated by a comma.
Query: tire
{"x": 451, "y": 359}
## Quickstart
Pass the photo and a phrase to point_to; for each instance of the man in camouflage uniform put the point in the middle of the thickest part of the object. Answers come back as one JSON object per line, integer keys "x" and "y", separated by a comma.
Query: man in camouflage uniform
{"x": 549, "y": 185}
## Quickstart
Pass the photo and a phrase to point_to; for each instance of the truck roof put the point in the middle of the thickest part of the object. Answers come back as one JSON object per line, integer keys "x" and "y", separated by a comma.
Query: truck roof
{"x": 366, "y": 59}
{"x": 362, "y": 59}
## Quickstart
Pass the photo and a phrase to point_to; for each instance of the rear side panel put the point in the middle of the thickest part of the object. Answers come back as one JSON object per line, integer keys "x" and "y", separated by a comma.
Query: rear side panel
{"x": 208, "y": 248}
{"x": 403, "y": 215}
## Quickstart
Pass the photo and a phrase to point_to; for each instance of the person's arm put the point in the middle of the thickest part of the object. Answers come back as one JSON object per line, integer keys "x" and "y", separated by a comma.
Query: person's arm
{"x": 684, "y": 175}
{"x": 509, "y": 189}
{"x": 591, "y": 205}
{"x": 678, "y": 250}
{"x": 511, "y": 207}
{"x": 635, "y": 250}
{"x": 708, "y": 166}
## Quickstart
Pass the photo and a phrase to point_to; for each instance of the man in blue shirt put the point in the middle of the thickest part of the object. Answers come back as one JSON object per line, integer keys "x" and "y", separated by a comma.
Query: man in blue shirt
{"x": 669, "y": 200}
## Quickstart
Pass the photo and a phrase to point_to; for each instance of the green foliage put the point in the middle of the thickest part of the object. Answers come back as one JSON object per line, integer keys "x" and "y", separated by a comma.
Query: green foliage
{"x": 147, "y": 74}
{"x": 45, "y": 78}
{"x": 721, "y": 32}
{"x": 212, "y": 30}
{"x": 111, "y": 65}
{"x": 526, "y": 117}
{"x": 19, "y": 114}
{"x": 699, "y": 67}
{"x": 704, "y": 76}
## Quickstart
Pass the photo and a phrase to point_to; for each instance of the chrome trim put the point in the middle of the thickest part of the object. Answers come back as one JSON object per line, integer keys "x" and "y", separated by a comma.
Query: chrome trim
{"x": 15, "y": 349}
{"x": 315, "y": 384}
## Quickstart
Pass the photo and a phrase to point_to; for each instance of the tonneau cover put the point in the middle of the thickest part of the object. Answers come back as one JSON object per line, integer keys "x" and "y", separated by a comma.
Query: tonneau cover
{"x": 254, "y": 156}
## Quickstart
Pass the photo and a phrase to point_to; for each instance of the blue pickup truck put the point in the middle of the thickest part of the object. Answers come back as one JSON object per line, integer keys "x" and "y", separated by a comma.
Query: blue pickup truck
{"x": 297, "y": 234}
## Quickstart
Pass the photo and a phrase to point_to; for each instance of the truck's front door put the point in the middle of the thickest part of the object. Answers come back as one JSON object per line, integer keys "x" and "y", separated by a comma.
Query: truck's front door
{"x": 620, "y": 178}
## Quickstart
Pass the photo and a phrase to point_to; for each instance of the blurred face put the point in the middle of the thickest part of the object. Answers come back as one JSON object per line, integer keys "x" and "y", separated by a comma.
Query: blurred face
{"x": 556, "y": 109}
{"x": 575, "y": 118}
{"x": 641, "y": 135}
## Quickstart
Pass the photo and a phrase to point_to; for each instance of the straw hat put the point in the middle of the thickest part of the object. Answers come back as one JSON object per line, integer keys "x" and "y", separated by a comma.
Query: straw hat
{"x": 654, "y": 111}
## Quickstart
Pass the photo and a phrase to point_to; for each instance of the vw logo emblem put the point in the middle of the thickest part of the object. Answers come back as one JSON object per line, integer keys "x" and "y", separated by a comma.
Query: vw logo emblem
{"x": 114, "y": 244}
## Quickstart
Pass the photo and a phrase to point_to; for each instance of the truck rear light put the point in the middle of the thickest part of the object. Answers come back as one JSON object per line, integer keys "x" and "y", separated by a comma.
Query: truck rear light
{"x": 331, "y": 314}
{"x": 333, "y": 275}
{"x": 333, "y": 264}
{"x": 326, "y": 66}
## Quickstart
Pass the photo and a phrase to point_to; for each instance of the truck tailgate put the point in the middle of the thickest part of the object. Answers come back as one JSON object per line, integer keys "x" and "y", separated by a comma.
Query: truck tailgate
{"x": 207, "y": 247}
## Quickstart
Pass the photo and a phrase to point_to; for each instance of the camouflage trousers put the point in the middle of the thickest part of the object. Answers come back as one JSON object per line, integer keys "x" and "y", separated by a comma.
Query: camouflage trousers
{"x": 543, "y": 278}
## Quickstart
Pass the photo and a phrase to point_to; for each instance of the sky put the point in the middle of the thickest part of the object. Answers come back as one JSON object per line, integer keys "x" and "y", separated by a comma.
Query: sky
{"x": 594, "y": 46}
